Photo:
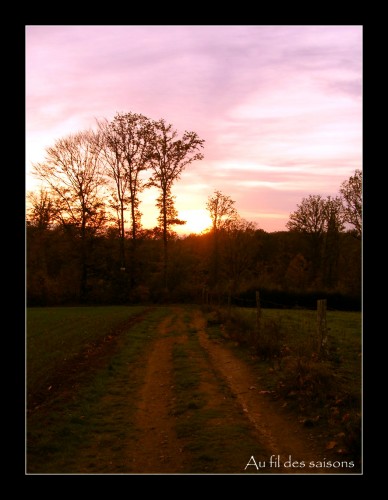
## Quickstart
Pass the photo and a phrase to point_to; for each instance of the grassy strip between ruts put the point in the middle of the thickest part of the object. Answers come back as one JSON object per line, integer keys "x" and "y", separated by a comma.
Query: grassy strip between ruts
{"x": 211, "y": 426}
{"x": 89, "y": 432}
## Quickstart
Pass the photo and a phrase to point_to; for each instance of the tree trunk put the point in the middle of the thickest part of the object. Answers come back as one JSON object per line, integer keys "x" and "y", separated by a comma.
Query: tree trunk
{"x": 165, "y": 249}
{"x": 83, "y": 264}
{"x": 122, "y": 237}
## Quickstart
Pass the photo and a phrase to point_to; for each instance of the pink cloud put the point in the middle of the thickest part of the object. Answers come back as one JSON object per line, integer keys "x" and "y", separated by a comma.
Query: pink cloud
{"x": 278, "y": 106}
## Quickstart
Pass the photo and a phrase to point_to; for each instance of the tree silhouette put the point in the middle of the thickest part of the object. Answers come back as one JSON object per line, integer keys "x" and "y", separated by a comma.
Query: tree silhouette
{"x": 41, "y": 213}
{"x": 127, "y": 149}
{"x": 171, "y": 155}
{"x": 321, "y": 220}
{"x": 334, "y": 225}
{"x": 351, "y": 191}
{"x": 72, "y": 171}
{"x": 310, "y": 218}
{"x": 222, "y": 211}
{"x": 238, "y": 251}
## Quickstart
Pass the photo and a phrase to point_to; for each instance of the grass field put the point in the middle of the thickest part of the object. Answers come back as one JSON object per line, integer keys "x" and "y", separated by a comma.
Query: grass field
{"x": 95, "y": 415}
{"x": 298, "y": 329}
{"x": 323, "y": 392}
{"x": 58, "y": 334}
{"x": 77, "y": 416}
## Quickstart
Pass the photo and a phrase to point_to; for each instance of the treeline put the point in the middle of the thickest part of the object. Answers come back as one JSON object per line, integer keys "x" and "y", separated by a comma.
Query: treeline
{"x": 81, "y": 251}
{"x": 278, "y": 264}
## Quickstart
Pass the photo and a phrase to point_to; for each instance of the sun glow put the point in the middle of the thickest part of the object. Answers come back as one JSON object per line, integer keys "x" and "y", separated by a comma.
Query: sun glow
{"x": 197, "y": 220}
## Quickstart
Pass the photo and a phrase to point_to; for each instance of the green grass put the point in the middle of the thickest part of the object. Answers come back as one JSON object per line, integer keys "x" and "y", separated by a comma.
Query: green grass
{"x": 89, "y": 431}
{"x": 88, "y": 428}
{"x": 344, "y": 339}
{"x": 213, "y": 429}
{"x": 58, "y": 334}
{"x": 324, "y": 391}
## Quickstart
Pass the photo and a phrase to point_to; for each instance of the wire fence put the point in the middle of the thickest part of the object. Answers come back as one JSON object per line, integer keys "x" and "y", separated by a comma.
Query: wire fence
{"x": 335, "y": 302}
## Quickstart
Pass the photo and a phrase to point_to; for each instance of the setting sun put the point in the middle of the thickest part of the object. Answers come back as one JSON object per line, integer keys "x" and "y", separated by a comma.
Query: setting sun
{"x": 197, "y": 220}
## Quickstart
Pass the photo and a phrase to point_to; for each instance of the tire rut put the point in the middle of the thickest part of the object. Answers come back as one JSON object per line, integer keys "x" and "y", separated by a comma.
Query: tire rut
{"x": 277, "y": 431}
{"x": 157, "y": 449}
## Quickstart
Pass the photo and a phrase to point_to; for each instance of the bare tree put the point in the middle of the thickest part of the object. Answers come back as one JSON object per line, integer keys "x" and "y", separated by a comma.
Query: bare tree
{"x": 321, "y": 220}
{"x": 310, "y": 216}
{"x": 40, "y": 220}
{"x": 334, "y": 214}
{"x": 127, "y": 149}
{"x": 222, "y": 212}
{"x": 72, "y": 171}
{"x": 351, "y": 191}
{"x": 238, "y": 251}
{"x": 41, "y": 212}
{"x": 171, "y": 155}
{"x": 334, "y": 225}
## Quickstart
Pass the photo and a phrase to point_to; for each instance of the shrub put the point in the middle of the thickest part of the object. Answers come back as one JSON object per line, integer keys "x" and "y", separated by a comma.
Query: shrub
{"x": 353, "y": 432}
{"x": 309, "y": 377}
{"x": 267, "y": 342}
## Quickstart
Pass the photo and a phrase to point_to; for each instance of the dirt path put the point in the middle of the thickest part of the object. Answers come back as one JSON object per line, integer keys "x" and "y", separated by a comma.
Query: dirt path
{"x": 186, "y": 405}
{"x": 278, "y": 433}
{"x": 158, "y": 448}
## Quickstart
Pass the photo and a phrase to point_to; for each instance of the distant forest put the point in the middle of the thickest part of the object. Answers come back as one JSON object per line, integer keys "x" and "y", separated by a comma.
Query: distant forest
{"x": 86, "y": 244}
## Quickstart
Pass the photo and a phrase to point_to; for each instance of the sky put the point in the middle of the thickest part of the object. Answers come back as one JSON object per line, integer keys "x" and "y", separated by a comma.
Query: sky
{"x": 279, "y": 107}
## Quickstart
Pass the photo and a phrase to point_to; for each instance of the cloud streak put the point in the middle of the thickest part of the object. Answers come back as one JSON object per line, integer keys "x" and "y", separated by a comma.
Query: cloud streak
{"x": 280, "y": 107}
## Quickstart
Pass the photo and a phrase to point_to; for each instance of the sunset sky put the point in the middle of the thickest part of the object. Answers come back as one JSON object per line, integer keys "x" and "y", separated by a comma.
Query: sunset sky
{"x": 279, "y": 107}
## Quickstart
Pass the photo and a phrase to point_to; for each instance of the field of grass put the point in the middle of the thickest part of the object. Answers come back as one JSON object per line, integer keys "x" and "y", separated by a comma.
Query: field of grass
{"x": 55, "y": 335}
{"x": 82, "y": 429}
{"x": 298, "y": 330}
{"x": 87, "y": 425}
{"x": 324, "y": 392}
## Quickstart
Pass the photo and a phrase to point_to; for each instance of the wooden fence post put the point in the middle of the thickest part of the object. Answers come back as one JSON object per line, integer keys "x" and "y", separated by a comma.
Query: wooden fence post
{"x": 322, "y": 326}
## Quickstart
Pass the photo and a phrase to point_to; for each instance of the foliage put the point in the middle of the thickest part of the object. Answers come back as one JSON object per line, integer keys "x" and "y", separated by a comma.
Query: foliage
{"x": 277, "y": 264}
